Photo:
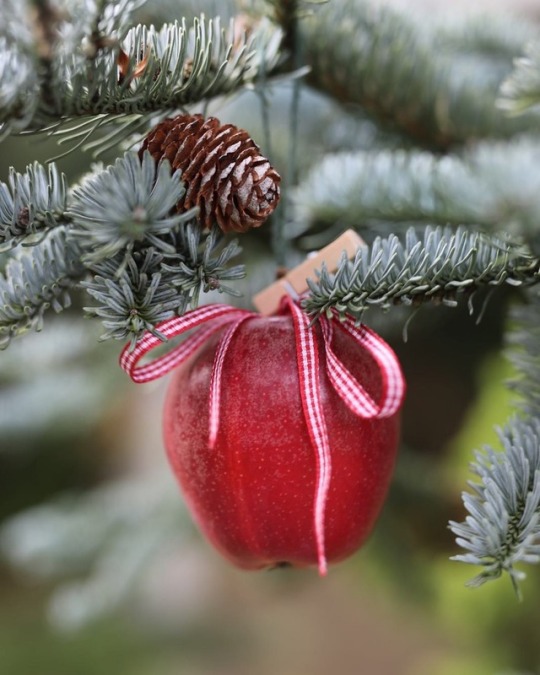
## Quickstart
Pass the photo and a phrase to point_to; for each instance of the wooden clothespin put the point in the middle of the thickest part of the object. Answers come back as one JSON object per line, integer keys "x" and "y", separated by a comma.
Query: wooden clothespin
{"x": 294, "y": 282}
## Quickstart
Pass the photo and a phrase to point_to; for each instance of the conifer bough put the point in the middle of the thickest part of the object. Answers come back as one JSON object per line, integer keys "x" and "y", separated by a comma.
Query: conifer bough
{"x": 224, "y": 173}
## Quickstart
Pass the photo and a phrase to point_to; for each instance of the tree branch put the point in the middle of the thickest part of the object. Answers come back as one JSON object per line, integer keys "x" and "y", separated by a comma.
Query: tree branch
{"x": 377, "y": 57}
{"x": 437, "y": 268}
{"x": 38, "y": 279}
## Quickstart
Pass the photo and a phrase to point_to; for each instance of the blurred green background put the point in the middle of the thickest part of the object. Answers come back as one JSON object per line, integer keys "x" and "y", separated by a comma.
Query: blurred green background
{"x": 103, "y": 572}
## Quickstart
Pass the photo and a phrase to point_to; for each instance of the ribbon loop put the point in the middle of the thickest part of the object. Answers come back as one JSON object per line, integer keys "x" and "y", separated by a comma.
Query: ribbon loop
{"x": 216, "y": 315}
{"x": 351, "y": 392}
{"x": 393, "y": 381}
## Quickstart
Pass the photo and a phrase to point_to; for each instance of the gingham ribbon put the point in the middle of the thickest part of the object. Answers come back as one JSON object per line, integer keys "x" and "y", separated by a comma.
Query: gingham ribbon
{"x": 210, "y": 319}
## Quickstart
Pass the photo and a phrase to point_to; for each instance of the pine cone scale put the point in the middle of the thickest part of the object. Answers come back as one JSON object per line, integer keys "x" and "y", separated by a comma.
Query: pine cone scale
{"x": 224, "y": 173}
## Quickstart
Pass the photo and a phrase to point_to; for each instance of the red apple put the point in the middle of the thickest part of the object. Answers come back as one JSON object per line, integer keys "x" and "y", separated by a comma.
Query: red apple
{"x": 252, "y": 494}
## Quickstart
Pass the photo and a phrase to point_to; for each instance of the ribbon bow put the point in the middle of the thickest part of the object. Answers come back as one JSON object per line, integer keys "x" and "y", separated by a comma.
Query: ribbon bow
{"x": 210, "y": 319}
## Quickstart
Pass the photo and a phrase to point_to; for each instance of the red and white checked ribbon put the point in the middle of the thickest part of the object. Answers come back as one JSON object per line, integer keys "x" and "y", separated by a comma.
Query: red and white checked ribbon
{"x": 210, "y": 319}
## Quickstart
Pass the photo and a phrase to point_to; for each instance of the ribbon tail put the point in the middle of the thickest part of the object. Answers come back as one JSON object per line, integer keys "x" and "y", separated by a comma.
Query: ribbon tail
{"x": 308, "y": 372}
{"x": 215, "y": 383}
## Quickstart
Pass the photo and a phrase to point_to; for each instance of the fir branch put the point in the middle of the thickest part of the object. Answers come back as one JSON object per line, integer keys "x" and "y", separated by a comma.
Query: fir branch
{"x": 376, "y": 57}
{"x": 494, "y": 184}
{"x": 200, "y": 62}
{"x": 167, "y": 69}
{"x": 36, "y": 280}
{"x": 438, "y": 267}
{"x": 19, "y": 81}
{"x": 34, "y": 67}
{"x": 521, "y": 90}
{"x": 46, "y": 20}
{"x": 18, "y": 89}
{"x": 203, "y": 265}
{"x": 503, "y": 525}
{"x": 111, "y": 19}
{"x": 31, "y": 203}
{"x": 90, "y": 28}
{"x": 126, "y": 204}
{"x": 126, "y": 523}
{"x": 132, "y": 296}
{"x": 137, "y": 291}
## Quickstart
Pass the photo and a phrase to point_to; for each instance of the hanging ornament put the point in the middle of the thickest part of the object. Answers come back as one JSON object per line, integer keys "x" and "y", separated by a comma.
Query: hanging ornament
{"x": 224, "y": 173}
{"x": 282, "y": 434}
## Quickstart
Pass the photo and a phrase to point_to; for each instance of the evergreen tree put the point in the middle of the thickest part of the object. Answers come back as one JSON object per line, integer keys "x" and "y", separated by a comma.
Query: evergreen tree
{"x": 430, "y": 150}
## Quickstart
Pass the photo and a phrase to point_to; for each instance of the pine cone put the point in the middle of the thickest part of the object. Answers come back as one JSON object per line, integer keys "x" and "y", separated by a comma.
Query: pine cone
{"x": 223, "y": 171}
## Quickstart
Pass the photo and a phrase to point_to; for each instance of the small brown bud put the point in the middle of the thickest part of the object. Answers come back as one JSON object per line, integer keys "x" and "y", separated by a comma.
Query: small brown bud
{"x": 124, "y": 65}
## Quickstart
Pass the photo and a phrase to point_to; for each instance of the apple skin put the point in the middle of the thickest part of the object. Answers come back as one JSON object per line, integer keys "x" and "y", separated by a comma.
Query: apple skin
{"x": 253, "y": 493}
